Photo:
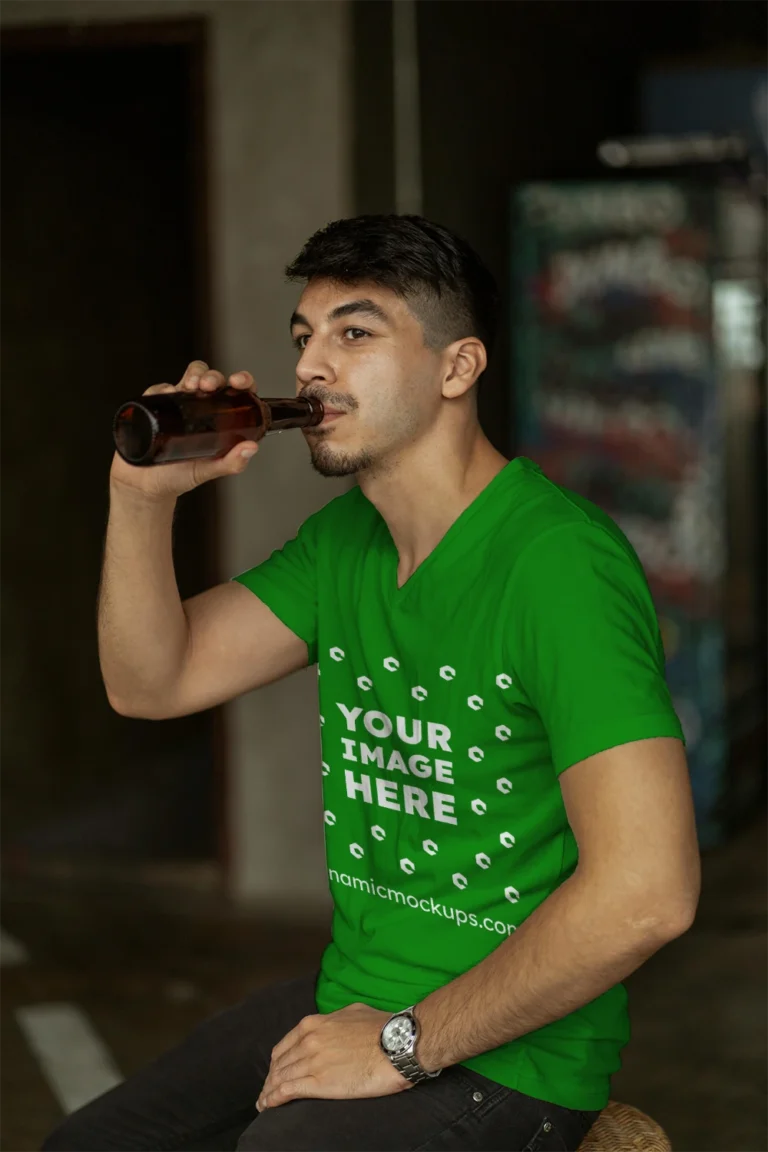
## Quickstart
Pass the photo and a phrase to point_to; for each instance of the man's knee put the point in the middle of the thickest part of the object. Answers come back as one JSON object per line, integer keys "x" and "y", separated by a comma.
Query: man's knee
{"x": 247, "y": 1141}
{"x": 60, "y": 1141}
{"x": 70, "y": 1136}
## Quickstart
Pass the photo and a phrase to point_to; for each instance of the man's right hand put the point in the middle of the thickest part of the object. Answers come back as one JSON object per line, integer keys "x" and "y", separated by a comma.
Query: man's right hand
{"x": 168, "y": 481}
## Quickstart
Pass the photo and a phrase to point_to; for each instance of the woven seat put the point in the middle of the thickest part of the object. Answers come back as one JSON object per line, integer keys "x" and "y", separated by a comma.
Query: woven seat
{"x": 621, "y": 1128}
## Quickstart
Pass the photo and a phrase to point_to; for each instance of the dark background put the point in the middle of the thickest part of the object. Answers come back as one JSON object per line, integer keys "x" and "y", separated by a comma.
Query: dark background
{"x": 512, "y": 92}
{"x": 101, "y": 174}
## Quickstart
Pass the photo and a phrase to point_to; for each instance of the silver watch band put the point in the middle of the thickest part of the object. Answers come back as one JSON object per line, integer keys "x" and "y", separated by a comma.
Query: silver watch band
{"x": 411, "y": 1069}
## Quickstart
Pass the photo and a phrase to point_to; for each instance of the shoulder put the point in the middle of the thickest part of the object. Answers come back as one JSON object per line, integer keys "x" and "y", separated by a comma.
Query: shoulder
{"x": 558, "y": 529}
{"x": 343, "y": 532}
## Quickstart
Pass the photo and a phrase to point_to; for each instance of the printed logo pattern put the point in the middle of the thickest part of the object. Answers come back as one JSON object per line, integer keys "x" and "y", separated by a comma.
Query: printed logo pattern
{"x": 377, "y": 748}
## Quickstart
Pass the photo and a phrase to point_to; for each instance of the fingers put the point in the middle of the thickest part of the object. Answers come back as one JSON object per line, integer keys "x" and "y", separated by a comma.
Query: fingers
{"x": 153, "y": 391}
{"x": 243, "y": 380}
{"x": 196, "y": 369}
{"x": 233, "y": 462}
{"x": 200, "y": 378}
{"x": 203, "y": 382}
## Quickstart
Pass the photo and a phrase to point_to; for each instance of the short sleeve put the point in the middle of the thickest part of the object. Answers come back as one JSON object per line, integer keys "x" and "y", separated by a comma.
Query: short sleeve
{"x": 585, "y": 644}
{"x": 287, "y": 583}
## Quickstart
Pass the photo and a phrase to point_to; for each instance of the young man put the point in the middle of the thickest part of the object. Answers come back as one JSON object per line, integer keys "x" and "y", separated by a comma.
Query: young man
{"x": 509, "y": 824}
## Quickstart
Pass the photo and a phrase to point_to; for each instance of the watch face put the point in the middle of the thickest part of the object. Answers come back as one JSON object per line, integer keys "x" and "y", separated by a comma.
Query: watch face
{"x": 398, "y": 1033}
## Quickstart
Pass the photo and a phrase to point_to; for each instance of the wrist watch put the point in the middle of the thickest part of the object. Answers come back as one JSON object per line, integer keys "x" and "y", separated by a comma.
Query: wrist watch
{"x": 398, "y": 1041}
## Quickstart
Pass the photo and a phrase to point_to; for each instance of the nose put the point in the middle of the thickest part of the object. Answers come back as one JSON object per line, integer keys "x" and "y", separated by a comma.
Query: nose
{"x": 314, "y": 366}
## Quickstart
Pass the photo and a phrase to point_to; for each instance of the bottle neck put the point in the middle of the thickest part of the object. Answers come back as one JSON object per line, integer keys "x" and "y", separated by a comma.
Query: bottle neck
{"x": 303, "y": 412}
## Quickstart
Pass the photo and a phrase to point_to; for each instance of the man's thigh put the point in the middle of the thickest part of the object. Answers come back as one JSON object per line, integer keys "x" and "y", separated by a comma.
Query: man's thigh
{"x": 459, "y": 1111}
{"x": 207, "y": 1084}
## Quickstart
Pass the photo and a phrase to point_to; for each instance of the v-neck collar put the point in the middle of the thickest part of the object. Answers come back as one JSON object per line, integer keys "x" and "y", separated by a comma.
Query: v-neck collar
{"x": 454, "y": 538}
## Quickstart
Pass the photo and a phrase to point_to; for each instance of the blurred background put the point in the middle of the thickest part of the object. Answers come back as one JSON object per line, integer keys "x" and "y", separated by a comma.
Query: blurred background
{"x": 162, "y": 160}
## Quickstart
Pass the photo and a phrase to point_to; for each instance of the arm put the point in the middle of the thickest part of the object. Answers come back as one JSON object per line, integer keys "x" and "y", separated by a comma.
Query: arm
{"x": 142, "y": 629}
{"x": 161, "y": 658}
{"x": 635, "y": 888}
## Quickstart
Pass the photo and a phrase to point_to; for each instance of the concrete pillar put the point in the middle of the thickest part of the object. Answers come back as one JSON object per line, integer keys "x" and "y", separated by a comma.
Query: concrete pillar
{"x": 279, "y": 106}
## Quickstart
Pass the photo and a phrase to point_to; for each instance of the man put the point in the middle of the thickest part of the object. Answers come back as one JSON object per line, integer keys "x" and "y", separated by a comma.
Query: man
{"x": 509, "y": 824}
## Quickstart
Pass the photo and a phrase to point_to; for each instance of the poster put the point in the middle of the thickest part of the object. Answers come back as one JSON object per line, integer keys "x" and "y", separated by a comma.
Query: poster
{"x": 616, "y": 399}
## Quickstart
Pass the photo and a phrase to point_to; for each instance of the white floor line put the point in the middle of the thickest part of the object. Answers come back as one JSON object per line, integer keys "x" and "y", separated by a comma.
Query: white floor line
{"x": 12, "y": 951}
{"x": 75, "y": 1061}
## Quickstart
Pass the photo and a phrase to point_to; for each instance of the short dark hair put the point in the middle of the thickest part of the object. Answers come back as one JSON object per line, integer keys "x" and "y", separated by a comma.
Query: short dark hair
{"x": 441, "y": 278}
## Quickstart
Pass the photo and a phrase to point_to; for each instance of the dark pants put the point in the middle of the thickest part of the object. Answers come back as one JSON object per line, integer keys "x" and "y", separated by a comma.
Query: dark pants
{"x": 201, "y": 1097}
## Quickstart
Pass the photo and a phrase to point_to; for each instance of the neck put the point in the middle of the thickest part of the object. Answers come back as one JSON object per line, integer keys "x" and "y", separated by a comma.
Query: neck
{"x": 427, "y": 489}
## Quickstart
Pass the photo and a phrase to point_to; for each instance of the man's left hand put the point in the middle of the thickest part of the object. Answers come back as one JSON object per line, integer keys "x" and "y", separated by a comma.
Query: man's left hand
{"x": 332, "y": 1057}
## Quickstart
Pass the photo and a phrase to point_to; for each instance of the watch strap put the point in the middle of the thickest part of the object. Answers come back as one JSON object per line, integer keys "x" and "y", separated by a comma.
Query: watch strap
{"x": 409, "y": 1067}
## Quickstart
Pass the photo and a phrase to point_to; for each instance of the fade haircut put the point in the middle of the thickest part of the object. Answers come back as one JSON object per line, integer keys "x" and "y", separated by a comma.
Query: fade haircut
{"x": 440, "y": 277}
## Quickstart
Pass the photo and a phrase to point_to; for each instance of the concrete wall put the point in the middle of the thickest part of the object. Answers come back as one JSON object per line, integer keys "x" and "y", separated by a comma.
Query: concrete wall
{"x": 280, "y": 165}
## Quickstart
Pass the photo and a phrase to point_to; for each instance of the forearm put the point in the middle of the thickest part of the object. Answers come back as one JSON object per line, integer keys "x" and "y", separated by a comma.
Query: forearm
{"x": 142, "y": 628}
{"x": 576, "y": 945}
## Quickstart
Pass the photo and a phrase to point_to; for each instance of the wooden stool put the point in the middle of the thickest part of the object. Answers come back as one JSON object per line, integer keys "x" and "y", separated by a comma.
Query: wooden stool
{"x": 621, "y": 1128}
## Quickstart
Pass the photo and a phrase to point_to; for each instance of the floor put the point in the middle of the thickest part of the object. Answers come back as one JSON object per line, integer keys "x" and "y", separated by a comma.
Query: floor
{"x": 145, "y": 964}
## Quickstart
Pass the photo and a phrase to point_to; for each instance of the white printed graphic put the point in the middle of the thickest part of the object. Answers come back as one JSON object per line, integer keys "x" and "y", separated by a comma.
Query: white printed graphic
{"x": 385, "y": 751}
{"x": 322, "y": 721}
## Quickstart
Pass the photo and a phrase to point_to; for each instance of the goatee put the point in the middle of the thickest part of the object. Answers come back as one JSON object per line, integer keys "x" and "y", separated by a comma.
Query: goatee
{"x": 330, "y": 462}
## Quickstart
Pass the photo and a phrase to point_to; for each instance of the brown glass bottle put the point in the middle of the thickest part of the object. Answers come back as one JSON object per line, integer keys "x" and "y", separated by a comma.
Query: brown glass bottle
{"x": 173, "y": 426}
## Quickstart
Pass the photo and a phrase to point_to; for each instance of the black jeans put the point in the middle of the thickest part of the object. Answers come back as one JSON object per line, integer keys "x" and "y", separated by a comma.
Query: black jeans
{"x": 201, "y": 1097}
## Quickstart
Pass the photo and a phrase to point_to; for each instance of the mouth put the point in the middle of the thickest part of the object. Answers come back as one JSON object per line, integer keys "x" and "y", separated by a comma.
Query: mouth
{"x": 329, "y": 417}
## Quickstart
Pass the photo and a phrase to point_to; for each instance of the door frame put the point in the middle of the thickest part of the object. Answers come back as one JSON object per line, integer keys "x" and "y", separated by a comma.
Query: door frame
{"x": 191, "y": 32}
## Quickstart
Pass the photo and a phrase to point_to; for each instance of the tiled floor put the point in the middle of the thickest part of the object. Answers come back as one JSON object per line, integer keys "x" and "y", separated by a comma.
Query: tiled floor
{"x": 147, "y": 965}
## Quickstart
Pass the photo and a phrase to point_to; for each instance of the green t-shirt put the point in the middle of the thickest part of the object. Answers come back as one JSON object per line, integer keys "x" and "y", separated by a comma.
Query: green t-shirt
{"x": 525, "y": 642}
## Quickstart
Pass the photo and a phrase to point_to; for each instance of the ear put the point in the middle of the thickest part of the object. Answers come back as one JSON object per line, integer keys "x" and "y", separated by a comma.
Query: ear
{"x": 466, "y": 361}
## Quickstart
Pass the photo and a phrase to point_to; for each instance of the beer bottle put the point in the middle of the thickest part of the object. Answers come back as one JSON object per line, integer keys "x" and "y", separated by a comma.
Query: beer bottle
{"x": 173, "y": 426}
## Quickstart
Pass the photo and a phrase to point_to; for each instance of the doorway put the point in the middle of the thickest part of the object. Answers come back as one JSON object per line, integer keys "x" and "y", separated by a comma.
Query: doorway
{"x": 104, "y": 275}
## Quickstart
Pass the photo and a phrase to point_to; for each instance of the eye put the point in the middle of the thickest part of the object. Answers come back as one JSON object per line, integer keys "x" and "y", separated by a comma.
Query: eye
{"x": 297, "y": 341}
{"x": 358, "y": 332}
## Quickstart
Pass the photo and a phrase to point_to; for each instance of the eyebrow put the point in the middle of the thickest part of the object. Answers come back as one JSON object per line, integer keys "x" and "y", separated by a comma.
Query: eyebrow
{"x": 353, "y": 308}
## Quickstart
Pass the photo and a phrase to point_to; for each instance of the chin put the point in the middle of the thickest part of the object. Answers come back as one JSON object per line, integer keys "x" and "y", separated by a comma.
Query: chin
{"x": 329, "y": 461}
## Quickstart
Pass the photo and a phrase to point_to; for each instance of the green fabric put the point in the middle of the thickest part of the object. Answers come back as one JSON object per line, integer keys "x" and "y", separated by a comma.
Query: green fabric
{"x": 525, "y": 642}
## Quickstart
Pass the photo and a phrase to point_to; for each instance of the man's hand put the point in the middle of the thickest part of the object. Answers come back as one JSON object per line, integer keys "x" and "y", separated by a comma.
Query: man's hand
{"x": 332, "y": 1057}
